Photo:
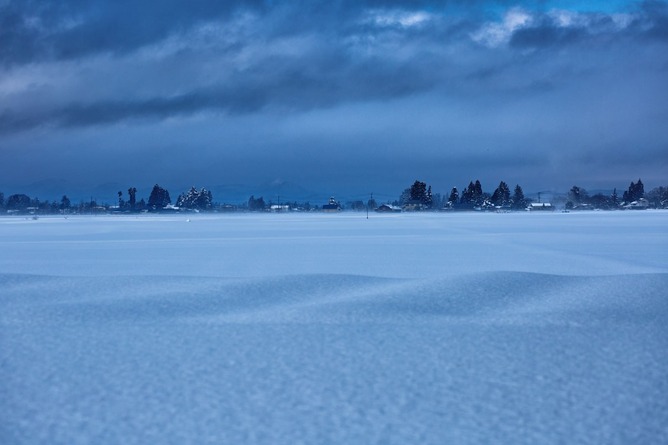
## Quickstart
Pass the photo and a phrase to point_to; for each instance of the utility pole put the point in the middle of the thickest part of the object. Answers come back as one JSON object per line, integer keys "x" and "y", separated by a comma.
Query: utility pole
{"x": 367, "y": 205}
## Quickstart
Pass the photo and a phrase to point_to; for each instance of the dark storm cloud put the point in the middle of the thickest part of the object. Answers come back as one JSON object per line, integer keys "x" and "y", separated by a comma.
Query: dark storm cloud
{"x": 35, "y": 30}
{"x": 650, "y": 21}
{"x": 423, "y": 86}
{"x": 283, "y": 85}
{"x": 356, "y": 53}
{"x": 547, "y": 34}
{"x": 350, "y": 62}
{"x": 656, "y": 24}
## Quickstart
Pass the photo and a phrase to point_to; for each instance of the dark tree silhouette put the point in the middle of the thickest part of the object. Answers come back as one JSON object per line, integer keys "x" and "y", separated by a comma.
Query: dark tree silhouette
{"x": 577, "y": 195}
{"x": 132, "y": 192}
{"x": 519, "y": 201}
{"x": 472, "y": 195}
{"x": 195, "y": 199}
{"x": 18, "y": 202}
{"x": 418, "y": 191}
{"x": 635, "y": 192}
{"x": 65, "y": 203}
{"x": 421, "y": 194}
{"x": 454, "y": 197}
{"x": 614, "y": 199}
{"x": 159, "y": 198}
{"x": 256, "y": 204}
{"x": 658, "y": 197}
{"x": 501, "y": 196}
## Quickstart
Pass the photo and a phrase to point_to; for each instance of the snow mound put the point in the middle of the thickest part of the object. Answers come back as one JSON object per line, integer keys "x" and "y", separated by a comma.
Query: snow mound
{"x": 491, "y": 297}
{"x": 504, "y": 357}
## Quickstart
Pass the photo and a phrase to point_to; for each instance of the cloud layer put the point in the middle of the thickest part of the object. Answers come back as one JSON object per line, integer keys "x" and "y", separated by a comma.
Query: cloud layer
{"x": 484, "y": 85}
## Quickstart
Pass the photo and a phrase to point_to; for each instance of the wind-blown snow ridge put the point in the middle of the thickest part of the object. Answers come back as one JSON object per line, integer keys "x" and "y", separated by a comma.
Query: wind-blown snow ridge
{"x": 504, "y": 357}
{"x": 488, "y": 297}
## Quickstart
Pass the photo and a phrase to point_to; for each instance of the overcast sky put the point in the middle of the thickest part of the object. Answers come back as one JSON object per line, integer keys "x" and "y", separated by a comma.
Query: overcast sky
{"x": 336, "y": 96}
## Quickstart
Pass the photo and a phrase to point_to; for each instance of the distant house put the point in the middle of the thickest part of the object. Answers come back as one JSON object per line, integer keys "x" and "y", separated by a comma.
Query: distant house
{"x": 640, "y": 204}
{"x": 332, "y": 206}
{"x": 388, "y": 208}
{"x": 540, "y": 207}
{"x": 277, "y": 208}
{"x": 414, "y": 205}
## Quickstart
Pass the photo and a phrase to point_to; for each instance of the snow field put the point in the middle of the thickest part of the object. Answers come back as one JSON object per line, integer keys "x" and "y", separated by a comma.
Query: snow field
{"x": 400, "y": 329}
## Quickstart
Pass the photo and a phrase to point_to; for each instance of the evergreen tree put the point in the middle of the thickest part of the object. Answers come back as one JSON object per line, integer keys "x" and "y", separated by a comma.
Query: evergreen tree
{"x": 405, "y": 197}
{"x": 640, "y": 190}
{"x": 159, "y": 198}
{"x": 614, "y": 199}
{"x": 429, "y": 199}
{"x": 195, "y": 199}
{"x": 467, "y": 195}
{"x": 472, "y": 195}
{"x": 477, "y": 189}
{"x": 519, "y": 201}
{"x": 577, "y": 195}
{"x": 658, "y": 197}
{"x": 437, "y": 201}
{"x": 454, "y": 197}
{"x": 65, "y": 203}
{"x": 132, "y": 192}
{"x": 635, "y": 192}
{"x": 501, "y": 196}
{"x": 256, "y": 204}
{"x": 18, "y": 202}
{"x": 418, "y": 192}
{"x": 600, "y": 201}
{"x": 2, "y": 199}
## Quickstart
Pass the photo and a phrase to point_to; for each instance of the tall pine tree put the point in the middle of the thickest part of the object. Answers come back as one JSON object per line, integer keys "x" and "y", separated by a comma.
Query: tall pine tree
{"x": 159, "y": 198}
{"x": 501, "y": 196}
{"x": 519, "y": 201}
{"x": 453, "y": 200}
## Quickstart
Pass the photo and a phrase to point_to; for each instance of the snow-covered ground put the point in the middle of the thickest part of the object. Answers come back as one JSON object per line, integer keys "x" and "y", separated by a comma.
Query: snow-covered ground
{"x": 287, "y": 329}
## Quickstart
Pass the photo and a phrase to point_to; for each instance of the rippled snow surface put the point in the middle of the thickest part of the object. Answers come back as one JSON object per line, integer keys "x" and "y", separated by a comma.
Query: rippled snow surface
{"x": 287, "y": 329}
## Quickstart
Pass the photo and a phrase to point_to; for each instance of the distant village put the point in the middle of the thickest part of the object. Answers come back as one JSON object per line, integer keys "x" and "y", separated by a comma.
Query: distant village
{"x": 416, "y": 198}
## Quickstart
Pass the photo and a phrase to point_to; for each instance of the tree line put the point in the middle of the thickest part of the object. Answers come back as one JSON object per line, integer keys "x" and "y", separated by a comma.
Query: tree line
{"x": 158, "y": 200}
{"x": 634, "y": 196}
{"x": 417, "y": 197}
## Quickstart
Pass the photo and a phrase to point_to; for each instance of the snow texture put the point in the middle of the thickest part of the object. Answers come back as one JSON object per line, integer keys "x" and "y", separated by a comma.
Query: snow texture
{"x": 287, "y": 329}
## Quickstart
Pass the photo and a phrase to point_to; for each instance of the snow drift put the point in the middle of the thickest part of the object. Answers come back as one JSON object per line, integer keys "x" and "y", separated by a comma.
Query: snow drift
{"x": 291, "y": 330}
